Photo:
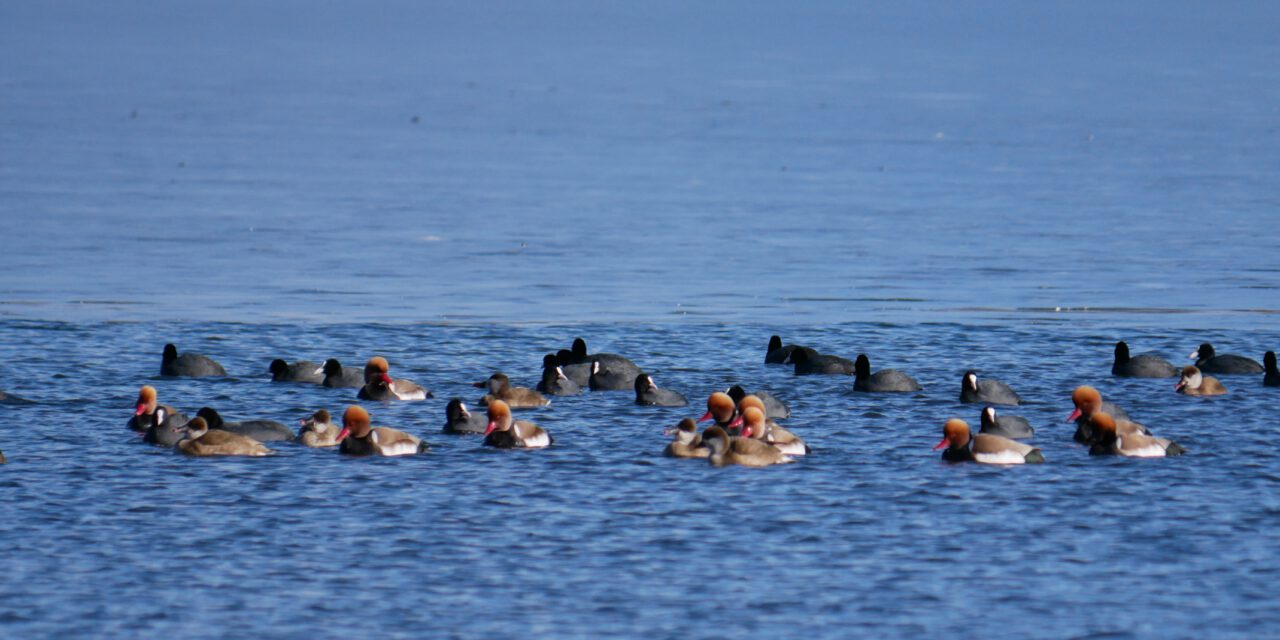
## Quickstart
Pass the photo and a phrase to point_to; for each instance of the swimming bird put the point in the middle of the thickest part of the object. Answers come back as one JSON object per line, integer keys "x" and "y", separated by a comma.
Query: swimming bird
{"x": 773, "y": 407}
{"x": 755, "y": 425}
{"x": 648, "y": 393}
{"x": 260, "y": 430}
{"x": 188, "y": 364}
{"x": 986, "y": 391}
{"x": 337, "y": 376}
{"x": 778, "y": 353}
{"x": 721, "y": 408}
{"x": 687, "y": 443}
{"x": 609, "y": 376}
{"x": 1141, "y": 366}
{"x": 1208, "y": 361}
{"x": 809, "y": 362}
{"x": 9, "y": 398}
{"x": 318, "y": 430}
{"x": 1110, "y": 441}
{"x": 984, "y": 448}
{"x": 578, "y": 372}
{"x": 1193, "y": 383}
{"x": 882, "y": 381}
{"x": 1088, "y": 402}
{"x": 164, "y": 430}
{"x": 620, "y": 364}
{"x": 359, "y": 438}
{"x": 499, "y": 386}
{"x": 1008, "y": 426}
{"x": 506, "y": 432}
{"x": 1272, "y": 377}
{"x": 459, "y": 419}
{"x": 300, "y": 371}
{"x": 144, "y": 413}
{"x": 200, "y": 440}
{"x": 726, "y": 450}
{"x": 379, "y": 385}
{"x": 554, "y": 381}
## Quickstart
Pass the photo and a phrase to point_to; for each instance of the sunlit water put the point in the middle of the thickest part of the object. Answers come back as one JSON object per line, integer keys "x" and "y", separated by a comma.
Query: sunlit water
{"x": 1007, "y": 188}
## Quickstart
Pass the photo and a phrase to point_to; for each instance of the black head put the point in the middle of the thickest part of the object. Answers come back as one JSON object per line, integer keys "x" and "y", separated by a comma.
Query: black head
{"x": 455, "y": 410}
{"x": 564, "y": 356}
{"x": 643, "y": 382}
{"x": 170, "y": 352}
{"x": 1206, "y": 351}
{"x": 970, "y": 380}
{"x": 775, "y": 343}
{"x": 800, "y": 356}
{"x": 737, "y": 392}
{"x": 279, "y": 369}
{"x": 579, "y": 348}
{"x": 1122, "y": 352}
{"x": 1269, "y": 360}
{"x": 549, "y": 361}
{"x": 332, "y": 367}
{"x": 210, "y": 416}
{"x": 862, "y": 366}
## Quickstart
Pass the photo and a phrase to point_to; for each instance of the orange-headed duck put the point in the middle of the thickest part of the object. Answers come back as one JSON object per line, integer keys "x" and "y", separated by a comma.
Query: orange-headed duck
{"x": 337, "y": 376}
{"x": 809, "y": 362}
{"x": 648, "y": 393}
{"x": 260, "y": 430}
{"x": 319, "y": 430}
{"x": 1208, "y": 361}
{"x": 300, "y": 371}
{"x": 726, "y": 450}
{"x": 499, "y": 386}
{"x": 721, "y": 408}
{"x": 1015, "y": 427}
{"x": 1194, "y": 383}
{"x": 1088, "y": 401}
{"x": 984, "y": 448}
{"x": 188, "y": 364}
{"x": 459, "y": 419}
{"x": 1110, "y": 441}
{"x": 986, "y": 391}
{"x": 755, "y": 424}
{"x": 359, "y": 438}
{"x": 1272, "y": 377}
{"x": 882, "y": 381}
{"x": 778, "y": 353}
{"x": 773, "y": 407}
{"x": 148, "y": 412}
{"x": 378, "y": 384}
{"x": 555, "y": 381}
{"x": 1141, "y": 366}
{"x": 200, "y": 440}
{"x": 506, "y": 432}
{"x": 687, "y": 443}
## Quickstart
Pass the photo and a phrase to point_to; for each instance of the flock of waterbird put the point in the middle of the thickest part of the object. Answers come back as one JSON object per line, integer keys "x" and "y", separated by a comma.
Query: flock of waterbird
{"x": 744, "y": 432}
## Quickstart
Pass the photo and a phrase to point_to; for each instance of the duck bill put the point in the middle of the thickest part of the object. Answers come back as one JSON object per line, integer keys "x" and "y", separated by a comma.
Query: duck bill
{"x": 140, "y": 409}
{"x": 737, "y": 422}
{"x": 492, "y": 426}
{"x": 1180, "y": 385}
{"x": 705, "y": 417}
{"x": 946, "y": 442}
{"x": 1075, "y": 415}
{"x": 747, "y": 432}
{"x": 342, "y": 435}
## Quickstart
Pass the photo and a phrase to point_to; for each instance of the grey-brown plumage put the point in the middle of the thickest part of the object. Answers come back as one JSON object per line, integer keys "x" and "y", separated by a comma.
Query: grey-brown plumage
{"x": 499, "y": 387}
{"x": 726, "y": 450}
{"x": 687, "y": 443}
{"x": 203, "y": 441}
{"x": 1194, "y": 383}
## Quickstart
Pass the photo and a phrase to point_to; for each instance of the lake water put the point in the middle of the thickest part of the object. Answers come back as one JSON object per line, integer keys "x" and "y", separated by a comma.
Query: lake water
{"x": 464, "y": 188}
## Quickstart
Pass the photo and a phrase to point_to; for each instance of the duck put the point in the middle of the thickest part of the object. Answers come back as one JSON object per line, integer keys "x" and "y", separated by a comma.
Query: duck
{"x": 260, "y": 430}
{"x": 1141, "y": 366}
{"x": 554, "y": 380}
{"x": 773, "y": 407}
{"x": 1110, "y": 441}
{"x": 499, "y": 386}
{"x": 300, "y": 371}
{"x": 1015, "y": 427}
{"x": 359, "y": 438}
{"x": 778, "y": 353}
{"x": 200, "y": 440}
{"x": 1272, "y": 377}
{"x": 1194, "y": 383}
{"x": 378, "y": 384}
{"x": 648, "y": 394}
{"x": 986, "y": 391}
{"x": 809, "y": 362}
{"x": 166, "y": 431}
{"x": 611, "y": 376}
{"x": 983, "y": 448}
{"x": 1088, "y": 402}
{"x": 755, "y": 425}
{"x": 726, "y": 450}
{"x": 721, "y": 408}
{"x": 337, "y": 376}
{"x": 1208, "y": 361}
{"x": 318, "y": 431}
{"x": 882, "y": 381}
{"x": 145, "y": 408}
{"x": 504, "y": 432}
{"x": 190, "y": 365}
{"x": 458, "y": 419}
{"x": 687, "y": 443}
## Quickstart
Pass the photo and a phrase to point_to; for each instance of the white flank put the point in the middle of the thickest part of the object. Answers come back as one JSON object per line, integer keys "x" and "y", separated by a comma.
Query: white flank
{"x": 417, "y": 394}
{"x": 538, "y": 440}
{"x": 1003, "y": 457}
{"x": 790, "y": 448}
{"x": 1153, "y": 450}
{"x": 405, "y": 448}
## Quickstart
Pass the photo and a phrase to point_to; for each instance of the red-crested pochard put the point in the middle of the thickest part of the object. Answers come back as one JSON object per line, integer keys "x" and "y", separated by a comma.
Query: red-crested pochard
{"x": 726, "y": 450}
{"x": 319, "y": 430}
{"x": 984, "y": 448}
{"x": 687, "y": 443}
{"x": 506, "y": 432}
{"x": 1132, "y": 445}
{"x": 756, "y": 425}
{"x": 200, "y": 440}
{"x": 1088, "y": 402}
{"x": 499, "y": 386}
{"x": 1194, "y": 383}
{"x": 359, "y": 438}
{"x": 379, "y": 385}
